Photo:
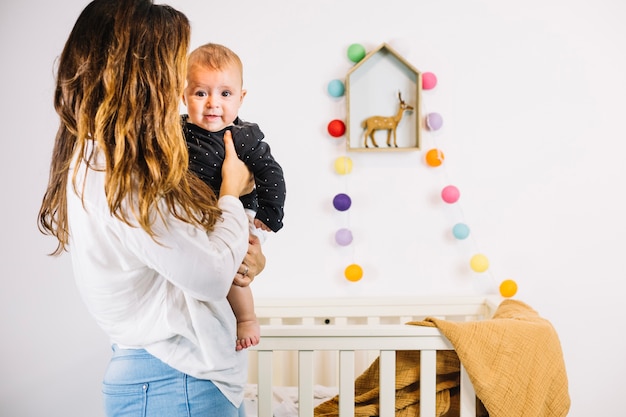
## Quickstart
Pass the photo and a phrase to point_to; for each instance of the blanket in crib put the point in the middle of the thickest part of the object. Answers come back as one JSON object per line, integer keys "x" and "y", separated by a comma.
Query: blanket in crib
{"x": 514, "y": 361}
{"x": 366, "y": 395}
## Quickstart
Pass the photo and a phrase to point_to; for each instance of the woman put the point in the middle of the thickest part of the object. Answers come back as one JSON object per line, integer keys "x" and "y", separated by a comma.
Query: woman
{"x": 154, "y": 251}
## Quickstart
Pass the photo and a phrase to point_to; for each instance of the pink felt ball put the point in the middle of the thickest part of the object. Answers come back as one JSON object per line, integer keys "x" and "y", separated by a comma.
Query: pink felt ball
{"x": 429, "y": 81}
{"x": 450, "y": 194}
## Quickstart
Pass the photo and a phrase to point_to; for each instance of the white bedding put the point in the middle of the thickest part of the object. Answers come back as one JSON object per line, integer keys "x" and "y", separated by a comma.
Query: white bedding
{"x": 285, "y": 399}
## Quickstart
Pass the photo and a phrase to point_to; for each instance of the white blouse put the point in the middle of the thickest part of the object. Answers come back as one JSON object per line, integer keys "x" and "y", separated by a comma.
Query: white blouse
{"x": 167, "y": 297}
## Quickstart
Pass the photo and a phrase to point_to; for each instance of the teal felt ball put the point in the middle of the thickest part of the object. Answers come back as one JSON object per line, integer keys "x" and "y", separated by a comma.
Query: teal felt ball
{"x": 336, "y": 88}
{"x": 356, "y": 52}
{"x": 460, "y": 231}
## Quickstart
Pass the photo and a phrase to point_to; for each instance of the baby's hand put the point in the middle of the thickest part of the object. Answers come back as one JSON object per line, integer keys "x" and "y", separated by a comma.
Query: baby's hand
{"x": 260, "y": 225}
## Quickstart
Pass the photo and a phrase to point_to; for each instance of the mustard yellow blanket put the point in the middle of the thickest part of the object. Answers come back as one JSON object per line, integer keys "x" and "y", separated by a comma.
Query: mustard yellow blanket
{"x": 514, "y": 361}
{"x": 366, "y": 395}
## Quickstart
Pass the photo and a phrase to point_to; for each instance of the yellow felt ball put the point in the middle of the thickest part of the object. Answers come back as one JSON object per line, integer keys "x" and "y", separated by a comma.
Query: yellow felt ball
{"x": 479, "y": 263}
{"x": 343, "y": 165}
{"x": 353, "y": 272}
{"x": 508, "y": 288}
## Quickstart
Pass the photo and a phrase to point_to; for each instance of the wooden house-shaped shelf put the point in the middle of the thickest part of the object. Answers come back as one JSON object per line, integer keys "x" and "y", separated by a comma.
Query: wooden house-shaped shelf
{"x": 373, "y": 88}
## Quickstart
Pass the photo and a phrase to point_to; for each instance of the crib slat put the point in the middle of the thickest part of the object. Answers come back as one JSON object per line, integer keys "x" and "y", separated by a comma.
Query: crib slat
{"x": 428, "y": 383}
{"x": 346, "y": 383}
{"x": 305, "y": 383}
{"x": 468, "y": 395}
{"x": 264, "y": 385}
{"x": 387, "y": 383}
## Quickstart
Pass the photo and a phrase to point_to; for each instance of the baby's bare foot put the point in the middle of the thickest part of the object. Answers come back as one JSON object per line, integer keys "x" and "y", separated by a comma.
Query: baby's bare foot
{"x": 248, "y": 334}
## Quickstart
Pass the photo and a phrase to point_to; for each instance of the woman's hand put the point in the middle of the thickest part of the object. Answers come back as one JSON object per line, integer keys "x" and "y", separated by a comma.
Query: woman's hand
{"x": 252, "y": 265}
{"x": 237, "y": 180}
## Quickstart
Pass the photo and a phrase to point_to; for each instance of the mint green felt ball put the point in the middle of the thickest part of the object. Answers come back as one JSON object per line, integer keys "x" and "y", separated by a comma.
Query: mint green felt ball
{"x": 356, "y": 52}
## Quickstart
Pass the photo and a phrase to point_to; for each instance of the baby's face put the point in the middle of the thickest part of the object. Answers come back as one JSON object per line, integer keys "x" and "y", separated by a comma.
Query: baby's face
{"x": 213, "y": 97}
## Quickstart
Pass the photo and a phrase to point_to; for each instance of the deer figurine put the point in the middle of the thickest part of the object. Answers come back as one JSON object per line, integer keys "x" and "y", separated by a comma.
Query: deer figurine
{"x": 374, "y": 123}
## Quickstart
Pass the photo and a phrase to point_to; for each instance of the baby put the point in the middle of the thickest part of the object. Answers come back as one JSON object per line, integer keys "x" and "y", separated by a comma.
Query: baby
{"x": 213, "y": 96}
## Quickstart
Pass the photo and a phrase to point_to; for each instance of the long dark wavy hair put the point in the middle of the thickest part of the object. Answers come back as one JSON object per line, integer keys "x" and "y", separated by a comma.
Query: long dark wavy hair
{"x": 119, "y": 82}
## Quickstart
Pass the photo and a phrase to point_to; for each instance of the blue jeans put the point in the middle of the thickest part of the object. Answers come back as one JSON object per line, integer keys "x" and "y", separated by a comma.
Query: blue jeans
{"x": 136, "y": 384}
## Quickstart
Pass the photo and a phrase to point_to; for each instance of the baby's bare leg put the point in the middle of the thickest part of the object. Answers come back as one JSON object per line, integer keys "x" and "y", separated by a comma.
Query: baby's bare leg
{"x": 242, "y": 303}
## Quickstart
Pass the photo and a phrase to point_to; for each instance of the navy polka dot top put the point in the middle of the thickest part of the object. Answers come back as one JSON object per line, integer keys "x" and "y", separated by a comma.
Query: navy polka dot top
{"x": 206, "y": 155}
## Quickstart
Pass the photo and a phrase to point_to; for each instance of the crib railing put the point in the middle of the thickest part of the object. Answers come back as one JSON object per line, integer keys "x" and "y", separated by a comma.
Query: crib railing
{"x": 346, "y": 340}
{"x": 350, "y": 327}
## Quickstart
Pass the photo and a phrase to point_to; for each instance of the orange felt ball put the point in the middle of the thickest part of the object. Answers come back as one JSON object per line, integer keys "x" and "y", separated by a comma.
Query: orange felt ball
{"x": 434, "y": 157}
{"x": 353, "y": 272}
{"x": 508, "y": 288}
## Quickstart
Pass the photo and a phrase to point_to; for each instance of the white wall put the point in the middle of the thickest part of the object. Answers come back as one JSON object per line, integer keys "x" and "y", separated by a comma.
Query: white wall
{"x": 533, "y": 101}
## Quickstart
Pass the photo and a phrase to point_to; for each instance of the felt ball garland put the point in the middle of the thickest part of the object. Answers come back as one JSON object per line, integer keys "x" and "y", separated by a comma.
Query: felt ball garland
{"x": 433, "y": 157}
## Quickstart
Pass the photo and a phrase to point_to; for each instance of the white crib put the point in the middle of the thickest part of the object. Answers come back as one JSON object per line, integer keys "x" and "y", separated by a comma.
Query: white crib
{"x": 330, "y": 341}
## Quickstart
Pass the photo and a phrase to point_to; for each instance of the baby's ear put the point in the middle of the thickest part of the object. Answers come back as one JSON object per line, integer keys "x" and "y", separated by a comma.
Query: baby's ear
{"x": 243, "y": 94}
